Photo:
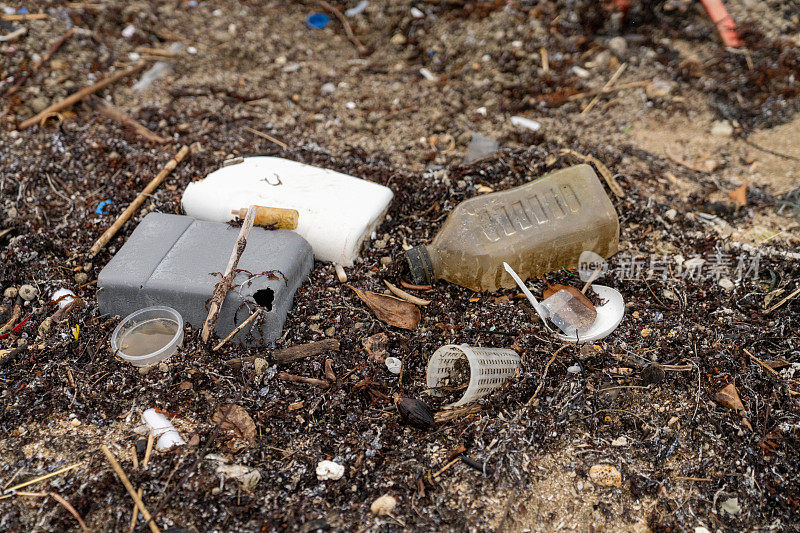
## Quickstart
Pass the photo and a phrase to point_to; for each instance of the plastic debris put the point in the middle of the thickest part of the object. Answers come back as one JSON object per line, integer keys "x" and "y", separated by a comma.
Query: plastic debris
{"x": 526, "y": 123}
{"x": 568, "y": 313}
{"x": 543, "y": 224}
{"x": 394, "y": 365}
{"x": 337, "y": 211}
{"x": 62, "y": 297}
{"x": 357, "y": 9}
{"x": 160, "y": 263}
{"x": 148, "y": 336}
{"x": 101, "y": 207}
{"x": 160, "y": 69}
{"x": 723, "y": 21}
{"x": 479, "y": 147}
{"x": 247, "y": 476}
{"x": 317, "y": 21}
{"x": 427, "y": 74}
{"x": 483, "y": 370}
{"x": 328, "y": 470}
{"x": 163, "y": 430}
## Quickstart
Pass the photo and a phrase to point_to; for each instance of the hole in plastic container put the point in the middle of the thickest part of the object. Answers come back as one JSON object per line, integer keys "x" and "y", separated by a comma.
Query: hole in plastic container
{"x": 264, "y": 298}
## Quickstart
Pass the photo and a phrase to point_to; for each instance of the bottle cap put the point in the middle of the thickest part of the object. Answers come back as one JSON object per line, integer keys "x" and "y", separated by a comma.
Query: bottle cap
{"x": 419, "y": 263}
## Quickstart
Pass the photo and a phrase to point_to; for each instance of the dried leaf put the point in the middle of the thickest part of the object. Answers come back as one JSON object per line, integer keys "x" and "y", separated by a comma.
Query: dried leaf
{"x": 375, "y": 346}
{"x": 234, "y": 417}
{"x": 739, "y": 195}
{"x": 393, "y": 311}
{"x": 729, "y": 397}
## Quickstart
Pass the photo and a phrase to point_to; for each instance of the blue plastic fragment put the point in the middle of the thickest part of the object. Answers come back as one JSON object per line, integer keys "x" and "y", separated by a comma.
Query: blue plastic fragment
{"x": 102, "y": 205}
{"x": 22, "y": 10}
{"x": 317, "y": 20}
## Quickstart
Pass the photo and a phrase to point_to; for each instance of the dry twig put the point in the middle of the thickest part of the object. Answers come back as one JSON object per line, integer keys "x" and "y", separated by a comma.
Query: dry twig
{"x": 118, "y": 116}
{"x": 362, "y": 50}
{"x": 127, "y": 483}
{"x": 237, "y": 330}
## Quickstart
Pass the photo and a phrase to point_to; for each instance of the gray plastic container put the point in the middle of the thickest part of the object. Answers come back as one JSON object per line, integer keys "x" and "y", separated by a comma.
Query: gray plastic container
{"x": 176, "y": 261}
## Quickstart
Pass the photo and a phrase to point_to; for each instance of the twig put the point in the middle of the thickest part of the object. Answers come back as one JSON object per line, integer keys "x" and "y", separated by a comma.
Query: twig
{"x": 149, "y": 450}
{"x": 762, "y": 363}
{"x": 134, "y": 458}
{"x": 118, "y": 116}
{"x": 43, "y": 477}
{"x": 161, "y": 52}
{"x": 631, "y": 85}
{"x": 777, "y": 305}
{"x": 445, "y": 467}
{"x": 80, "y": 95}
{"x": 611, "y": 181}
{"x": 451, "y": 414}
{"x": 267, "y": 137}
{"x": 135, "y": 515}
{"x": 362, "y": 50}
{"x": 23, "y": 16}
{"x": 224, "y": 285}
{"x": 406, "y": 296}
{"x": 283, "y": 376}
{"x": 237, "y": 330}
{"x": 301, "y": 351}
{"x": 545, "y": 59}
{"x": 544, "y": 375}
{"x": 138, "y": 201}
{"x": 125, "y": 481}
{"x": 413, "y": 287}
{"x": 614, "y": 77}
{"x": 23, "y": 77}
{"x": 70, "y": 508}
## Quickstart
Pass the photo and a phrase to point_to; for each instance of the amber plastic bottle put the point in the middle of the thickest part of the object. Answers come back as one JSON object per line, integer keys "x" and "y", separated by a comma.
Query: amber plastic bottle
{"x": 536, "y": 228}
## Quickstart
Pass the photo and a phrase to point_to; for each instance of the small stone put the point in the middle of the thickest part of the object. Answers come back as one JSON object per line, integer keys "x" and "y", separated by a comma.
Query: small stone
{"x": 75, "y": 422}
{"x": 398, "y": 38}
{"x": 327, "y": 89}
{"x": 81, "y": 278}
{"x": 259, "y": 364}
{"x": 163, "y": 367}
{"x": 143, "y": 370}
{"x": 330, "y": 332}
{"x": 44, "y": 327}
{"x": 383, "y": 505}
{"x": 329, "y": 470}
{"x": 574, "y": 369}
{"x": 605, "y": 475}
{"x": 721, "y": 128}
{"x": 726, "y": 284}
{"x": 394, "y": 365}
{"x": 10, "y": 292}
{"x": 659, "y": 89}
{"x": 620, "y": 441}
{"x": 39, "y": 104}
{"x": 28, "y": 292}
{"x": 671, "y": 214}
{"x": 618, "y": 45}
{"x": 386, "y": 261}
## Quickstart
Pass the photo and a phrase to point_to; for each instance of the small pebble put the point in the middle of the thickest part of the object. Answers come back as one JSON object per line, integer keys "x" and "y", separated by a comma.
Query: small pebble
{"x": 383, "y": 505}
{"x": 81, "y": 278}
{"x": 386, "y": 261}
{"x": 618, "y": 45}
{"x": 620, "y": 441}
{"x": 327, "y": 89}
{"x": 394, "y": 365}
{"x": 163, "y": 367}
{"x": 726, "y": 284}
{"x": 10, "y": 292}
{"x": 330, "y": 332}
{"x": 74, "y": 422}
{"x": 605, "y": 475}
{"x": 574, "y": 369}
{"x": 721, "y": 128}
{"x": 260, "y": 364}
{"x": 28, "y": 292}
{"x": 398, "y": 38}
{"x": 329, "y": 470}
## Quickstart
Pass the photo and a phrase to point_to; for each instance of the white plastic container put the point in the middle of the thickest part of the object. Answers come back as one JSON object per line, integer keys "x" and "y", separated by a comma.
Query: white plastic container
{"x": 337, "y": 211}
{"x": 489, "y": 368}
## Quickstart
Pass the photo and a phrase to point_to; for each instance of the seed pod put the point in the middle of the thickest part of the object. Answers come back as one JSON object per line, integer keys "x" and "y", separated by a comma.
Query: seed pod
{"x": 413, "y": 412}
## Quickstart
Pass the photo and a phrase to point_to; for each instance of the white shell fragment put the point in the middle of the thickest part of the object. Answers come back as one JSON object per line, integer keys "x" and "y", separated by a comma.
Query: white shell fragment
{"x": 394, "y": 365}
{"x": 383, "y": 505}
{"x": 63, "y": 297}
{"x": 329, "y": 470}
{"x": 526, "y": 123}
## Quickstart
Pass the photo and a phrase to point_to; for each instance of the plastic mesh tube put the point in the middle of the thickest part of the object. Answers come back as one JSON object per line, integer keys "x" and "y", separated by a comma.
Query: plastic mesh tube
{"x": 489, "y": 368}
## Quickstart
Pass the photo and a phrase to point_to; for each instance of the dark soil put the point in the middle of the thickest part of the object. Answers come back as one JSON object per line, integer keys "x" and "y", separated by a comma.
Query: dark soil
{"x": 685, "y": 456}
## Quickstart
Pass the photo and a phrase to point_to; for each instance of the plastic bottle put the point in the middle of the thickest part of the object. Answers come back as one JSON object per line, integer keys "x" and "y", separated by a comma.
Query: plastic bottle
{"x": 537, "y": 228}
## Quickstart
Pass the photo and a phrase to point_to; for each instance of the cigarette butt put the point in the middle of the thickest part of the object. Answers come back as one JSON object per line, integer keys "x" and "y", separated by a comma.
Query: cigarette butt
{"x": 275, "y": 217}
